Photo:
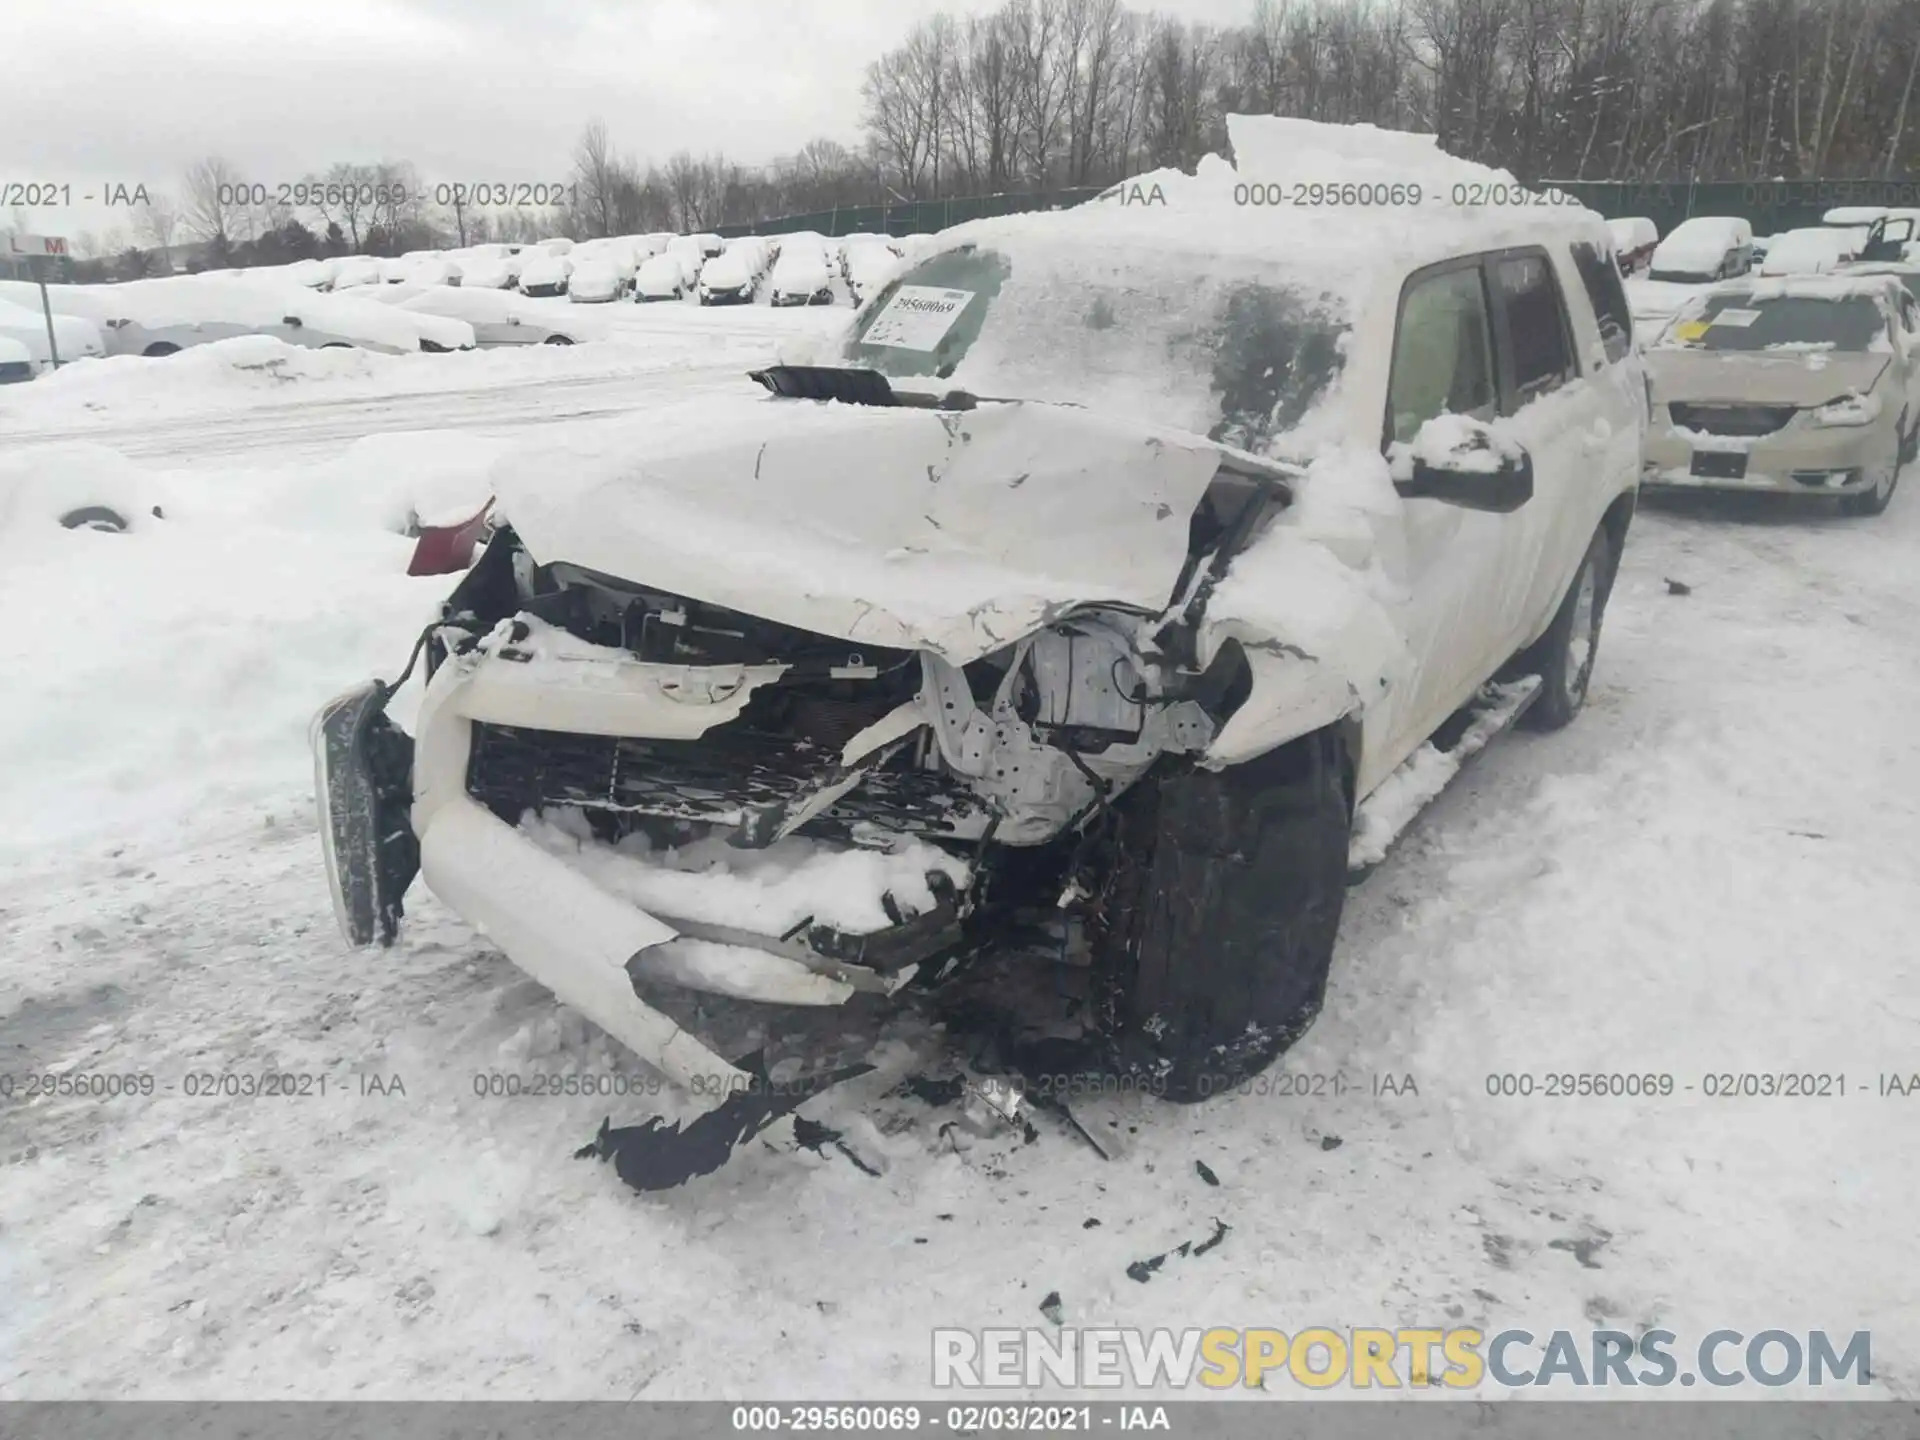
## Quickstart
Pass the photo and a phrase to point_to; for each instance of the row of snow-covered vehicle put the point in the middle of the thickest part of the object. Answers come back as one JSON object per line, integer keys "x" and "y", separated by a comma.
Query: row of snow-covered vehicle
{"x": 1785, "y": 364}
{"x": 436, "y": 300}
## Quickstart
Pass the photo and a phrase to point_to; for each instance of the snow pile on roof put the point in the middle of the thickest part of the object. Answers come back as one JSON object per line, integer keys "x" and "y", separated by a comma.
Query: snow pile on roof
{"x": 768, "y": 891}
{"x": 1136, "y": 303}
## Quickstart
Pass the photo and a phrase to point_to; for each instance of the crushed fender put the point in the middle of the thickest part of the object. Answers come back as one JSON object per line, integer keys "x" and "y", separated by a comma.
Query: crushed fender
{"x": 659, "y": 1156}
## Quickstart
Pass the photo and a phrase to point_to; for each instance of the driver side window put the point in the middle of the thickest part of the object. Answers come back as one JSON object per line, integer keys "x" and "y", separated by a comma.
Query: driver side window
{"x": 1442, "y": 352}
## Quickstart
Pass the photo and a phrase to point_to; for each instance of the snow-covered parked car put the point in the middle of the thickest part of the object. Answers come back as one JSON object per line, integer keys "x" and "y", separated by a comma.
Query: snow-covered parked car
{"x": 800, "y": 275}
{"x": 660, "y": 277}
{"x": 545, "y": 275}
{"x": 727, "y": 279}
{"x": 686, "y": 249}
{"x": 16, "y": 362}
{"x": 75, "y": 337}
{"x": 431, "y": 269}
{"x": 1634, "y": 239}
{"x": 161, "y": 316}
{"x": 1702, "y": 250}
{"x": 594, "y": 281}
{"x": 795, "y": 698}
{"x": 709, "y": 243}
{"x": 352, "y": 271}
{"x": 869, "y": 267}
{"x": 490, "y": 272}
{"x": 496, "y": 319}
{"x": 1804, "y": 385}
{"x": 1815, "y": 250}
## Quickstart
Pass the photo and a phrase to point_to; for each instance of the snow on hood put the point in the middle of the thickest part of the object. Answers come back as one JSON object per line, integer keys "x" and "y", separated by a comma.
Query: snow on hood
{"x": 1765, "y": 377}
{"x": 956, "y": 532}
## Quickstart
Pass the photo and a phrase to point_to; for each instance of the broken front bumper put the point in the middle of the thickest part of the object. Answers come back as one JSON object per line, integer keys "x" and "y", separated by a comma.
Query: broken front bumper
{"x": 583, "y": 942}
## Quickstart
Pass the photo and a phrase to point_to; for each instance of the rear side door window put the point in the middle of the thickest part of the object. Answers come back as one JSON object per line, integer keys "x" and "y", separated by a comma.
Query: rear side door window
{"x": 1530, "y": 321}
{"x": 1600, "y": 277}
{"x": 1442, "y": 351}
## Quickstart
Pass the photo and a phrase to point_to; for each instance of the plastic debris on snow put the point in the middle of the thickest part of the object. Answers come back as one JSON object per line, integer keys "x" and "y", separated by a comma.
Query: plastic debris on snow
{"x": 656, "y": 1155}
{"x": 768, "y": 891}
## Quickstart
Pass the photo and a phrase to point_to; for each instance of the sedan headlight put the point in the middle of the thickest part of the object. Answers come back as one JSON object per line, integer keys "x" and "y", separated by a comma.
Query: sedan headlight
{"x": 1848, "y": 410}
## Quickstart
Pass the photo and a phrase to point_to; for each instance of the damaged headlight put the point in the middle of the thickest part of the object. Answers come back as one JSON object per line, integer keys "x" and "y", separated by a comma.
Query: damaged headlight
{"x": 1848, "y": 410}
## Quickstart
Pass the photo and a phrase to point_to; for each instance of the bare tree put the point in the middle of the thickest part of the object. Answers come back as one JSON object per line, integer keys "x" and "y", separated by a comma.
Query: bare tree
{"x": 213, "y": 200}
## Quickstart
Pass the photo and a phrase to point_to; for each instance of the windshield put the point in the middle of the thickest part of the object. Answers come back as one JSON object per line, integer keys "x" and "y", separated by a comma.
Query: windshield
{"x": 1798, "y": 322}
{"x": 1240, "y": 357}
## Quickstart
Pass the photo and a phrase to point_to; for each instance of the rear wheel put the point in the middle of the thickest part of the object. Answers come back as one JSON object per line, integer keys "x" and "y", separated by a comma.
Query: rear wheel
{"x": 558, "y": 340}
{"x": 1214, "y": 924}
{"x": 1563, "y": 657}
{"x": 160, "y": 348}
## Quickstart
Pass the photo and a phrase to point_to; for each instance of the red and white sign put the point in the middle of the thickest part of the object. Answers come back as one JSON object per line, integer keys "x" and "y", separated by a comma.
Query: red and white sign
{"x": 37, "y": 244}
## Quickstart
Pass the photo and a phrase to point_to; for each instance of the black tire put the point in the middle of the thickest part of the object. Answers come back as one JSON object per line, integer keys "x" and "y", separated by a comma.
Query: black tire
{"x": 97, "y": 517}
{"x": 557, "y": 340}
{"x": 160, "y": 348}
{"x": 1876, "y": 500}
{"x": 1214, "y": 927}
{"x": 1563, "y": 657}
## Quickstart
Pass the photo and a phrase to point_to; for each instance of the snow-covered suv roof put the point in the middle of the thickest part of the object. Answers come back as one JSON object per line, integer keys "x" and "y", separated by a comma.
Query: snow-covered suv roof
{"x": 1339, "y": 202}
{"x": 1177, "y": 299}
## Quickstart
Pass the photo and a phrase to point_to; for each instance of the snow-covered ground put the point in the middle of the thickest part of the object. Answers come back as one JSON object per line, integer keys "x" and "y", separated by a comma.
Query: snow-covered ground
{"x": 1712, "y": 871}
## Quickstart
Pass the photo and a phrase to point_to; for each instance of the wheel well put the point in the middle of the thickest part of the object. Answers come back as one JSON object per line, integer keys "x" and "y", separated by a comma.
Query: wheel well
{"x": 1618, "y": 517}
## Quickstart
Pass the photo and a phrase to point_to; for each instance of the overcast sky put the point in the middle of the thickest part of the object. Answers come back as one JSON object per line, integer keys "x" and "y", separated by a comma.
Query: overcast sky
{"x": 98, "y": 92}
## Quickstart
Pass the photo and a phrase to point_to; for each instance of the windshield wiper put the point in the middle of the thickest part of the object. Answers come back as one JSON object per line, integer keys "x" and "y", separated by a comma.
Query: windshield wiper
{"x": 852, "y": 385}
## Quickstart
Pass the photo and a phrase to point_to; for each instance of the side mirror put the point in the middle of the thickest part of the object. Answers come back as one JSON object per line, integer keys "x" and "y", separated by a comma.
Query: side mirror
{"x": 1470, "y": 472}
{"x": 292, "y": 321}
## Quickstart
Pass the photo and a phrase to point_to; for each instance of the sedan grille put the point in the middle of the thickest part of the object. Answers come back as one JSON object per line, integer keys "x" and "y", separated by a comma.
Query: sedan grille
{"x": 1732, "y": 419}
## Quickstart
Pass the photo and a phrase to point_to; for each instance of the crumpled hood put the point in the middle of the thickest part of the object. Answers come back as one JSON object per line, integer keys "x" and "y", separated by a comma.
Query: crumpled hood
{"x": 1760, "y": 377}
{"x": 955, "y": 532}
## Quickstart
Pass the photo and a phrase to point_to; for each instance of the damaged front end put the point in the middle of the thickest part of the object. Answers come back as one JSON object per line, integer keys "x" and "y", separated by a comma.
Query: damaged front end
{"x": 627, "y": 787}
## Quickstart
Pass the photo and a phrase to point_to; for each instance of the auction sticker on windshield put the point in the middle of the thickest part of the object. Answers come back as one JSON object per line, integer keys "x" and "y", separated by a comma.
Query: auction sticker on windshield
{"x": 916, "y": 318}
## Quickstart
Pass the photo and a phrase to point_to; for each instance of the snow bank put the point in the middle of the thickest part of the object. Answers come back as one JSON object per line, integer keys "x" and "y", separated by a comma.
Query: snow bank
{"x": 794, "y": 881}
{"x": 161, "y": 682}
{"x": 244, "y": 364}
{"x": 41, "y": 483}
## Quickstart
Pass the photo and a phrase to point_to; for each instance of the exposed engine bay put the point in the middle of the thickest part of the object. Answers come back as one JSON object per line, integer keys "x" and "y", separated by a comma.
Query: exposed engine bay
{"x": 833, "y": 740}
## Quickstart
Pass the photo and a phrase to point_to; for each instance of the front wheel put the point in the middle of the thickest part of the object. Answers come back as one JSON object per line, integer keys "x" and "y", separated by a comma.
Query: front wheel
{"x": 1213, "y": 924}
{"x": 1563, "y": 657}
{"x": 557, "y": 340}
{"x": 1876, "y": 500}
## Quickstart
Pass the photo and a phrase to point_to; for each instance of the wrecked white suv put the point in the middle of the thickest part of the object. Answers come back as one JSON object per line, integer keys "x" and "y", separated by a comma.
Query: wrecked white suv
{"x": 1117, "y": 558}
